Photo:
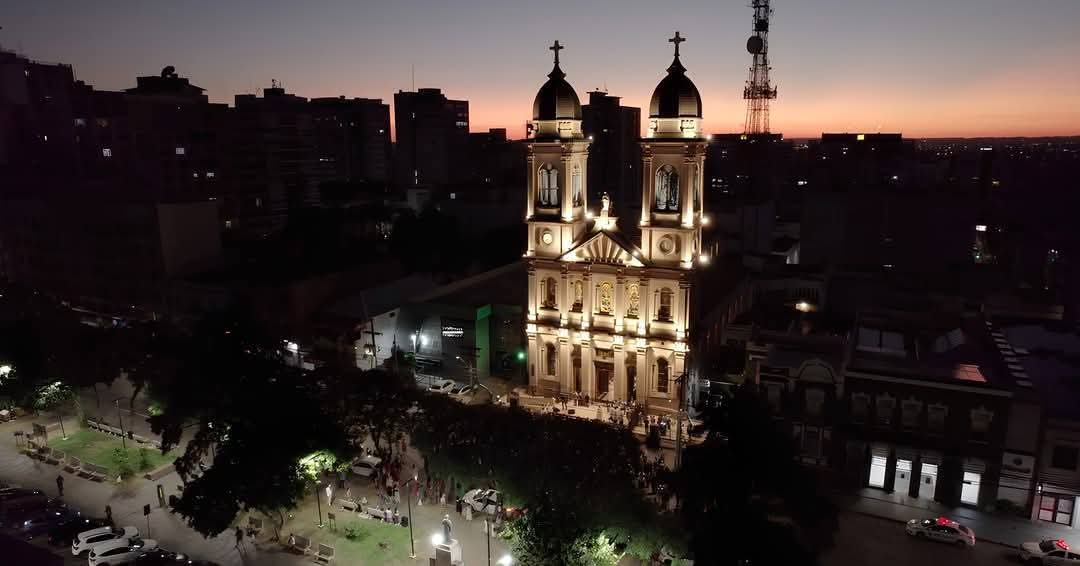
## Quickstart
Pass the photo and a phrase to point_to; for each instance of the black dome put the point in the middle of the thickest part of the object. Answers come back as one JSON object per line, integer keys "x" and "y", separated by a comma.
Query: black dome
{"x": 675, "y": 96}
{"x": 556, "y": 100}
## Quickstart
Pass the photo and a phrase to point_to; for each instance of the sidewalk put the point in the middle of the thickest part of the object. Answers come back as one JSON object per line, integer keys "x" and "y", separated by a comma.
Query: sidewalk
{"x": 998, "y": 529}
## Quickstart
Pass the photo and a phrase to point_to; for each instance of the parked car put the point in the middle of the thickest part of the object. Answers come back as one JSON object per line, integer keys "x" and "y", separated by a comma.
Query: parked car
{"x": 89, "y": 540}
{"x": 16, "y": 503}
{"x": 61, "y": 534}
{"x": 484, "y": 500}
{"x": 45, "y": 520}
{"x": 441, "y": 386}
{"x": 1050, "y": 552}
{"x": 365, "y": 465}
{"x": 942, "y": 529}
{"x": 120, "y": 551}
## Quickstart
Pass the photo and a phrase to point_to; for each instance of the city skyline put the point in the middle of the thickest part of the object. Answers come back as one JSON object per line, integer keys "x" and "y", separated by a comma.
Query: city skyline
{"x": 839, "y": 66}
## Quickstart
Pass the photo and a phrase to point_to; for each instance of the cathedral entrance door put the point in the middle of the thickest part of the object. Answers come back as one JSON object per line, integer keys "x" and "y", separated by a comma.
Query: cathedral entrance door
{"x": 631, "y": 382}
{"x": 605, "y": 373}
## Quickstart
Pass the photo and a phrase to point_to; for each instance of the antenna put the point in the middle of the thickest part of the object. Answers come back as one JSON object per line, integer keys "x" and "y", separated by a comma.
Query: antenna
{"x": 758, "y": 90}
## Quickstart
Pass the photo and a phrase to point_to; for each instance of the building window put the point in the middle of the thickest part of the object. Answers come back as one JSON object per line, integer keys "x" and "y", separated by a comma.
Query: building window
{"x": 228, "y": 224}
{"x": 885, "y": 407}
{"x": 1065, "y": 457}
{"x": 552, "y": 359}
{"x": 549, "y": 185}
{"x": 935, "y": 418}
{"x": 980, "y": 420}
{"x": 815, "y": 398}
{"x": 549, "y": 291}
{"x": 575, "y": 184}
{"x": 663, "y": 311}
{"x": 633, "y": 301}
{"x": 663, "y": 375}
{"x": 80, "y": 122}
{"x": 579, "y": 295}
{"x": 210, "y": 175}
{"x": 667, "y": 189}
{"x": 181, "y": 151}
{"x": 106, "y": 152}
{"x": 860, "y": 407}
{"x": 910, "y": 410}
{"x": 606, "y": 298}
{"x": 258, "y": 202}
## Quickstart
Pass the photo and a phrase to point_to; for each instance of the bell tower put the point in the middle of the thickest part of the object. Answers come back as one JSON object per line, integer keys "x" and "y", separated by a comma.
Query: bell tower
{"x": 557, "y": 157}
{"x": 673, "y": 165}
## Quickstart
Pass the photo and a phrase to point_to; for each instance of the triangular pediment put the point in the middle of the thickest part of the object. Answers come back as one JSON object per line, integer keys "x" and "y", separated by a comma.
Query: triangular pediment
{"x": 603, "y": 247}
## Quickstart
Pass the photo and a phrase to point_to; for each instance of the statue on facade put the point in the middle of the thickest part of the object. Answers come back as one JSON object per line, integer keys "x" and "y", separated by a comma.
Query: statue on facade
{"x": 447, "y": 527}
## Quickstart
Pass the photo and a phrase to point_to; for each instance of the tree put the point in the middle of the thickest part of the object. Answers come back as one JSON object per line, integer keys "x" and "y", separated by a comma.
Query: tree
{"x": 258, "y": 417}
{"x": 574, "y": 478}
{"x": 376, "y": 403}
{"x": 743, "y": 483}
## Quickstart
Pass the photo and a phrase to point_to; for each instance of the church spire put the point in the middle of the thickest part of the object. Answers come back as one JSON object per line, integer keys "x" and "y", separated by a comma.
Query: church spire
{"x": 676, "y": 65}
{"x": 556, "y": 72}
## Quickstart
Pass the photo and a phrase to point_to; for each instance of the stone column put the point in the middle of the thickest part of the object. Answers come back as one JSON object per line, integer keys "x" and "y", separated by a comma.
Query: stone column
{"x": 620, "y": 391}
{"x": 530, "y": 183}
{"x": 588, "y": 371}
{"x": 645, "y": 302}
{"x": 565, "y": 368}
{"x": 532, "y": 305}
{"x": 620, "y": 301}
{"x": 686, "y": 197}
{"x": 649, "y": 177}
{"x": 644, "y": 376}
{"x": 533, "y": 360}
{"x": 565, "y": 297}
{"x": 587, "y": 294}
{"x": 567, "y": 209}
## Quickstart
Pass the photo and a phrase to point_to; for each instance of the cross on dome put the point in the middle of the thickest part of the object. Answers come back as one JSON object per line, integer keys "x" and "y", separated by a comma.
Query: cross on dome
{"x": 556, "y": 48}
{"x": 676, "y": 40}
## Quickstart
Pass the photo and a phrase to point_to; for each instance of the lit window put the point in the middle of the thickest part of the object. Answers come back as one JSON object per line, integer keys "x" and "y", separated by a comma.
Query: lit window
{"x": 80, "y": 121}
{"x": 258, "y": 202}
{"x": 195, "y": 175}
{"x": 181, "y": 150}
{"x": 575, "y": 183}
{"x": 106, "y": 152}
{"x": 663, "y": 375}
{"x": 228, "y": 224}
{"x": 549, "y": 290}
{"x": 577, "y": 288}
{"x": 453, "y": 196}
{"x": 549, "y": 185}
{"x": 210, "y": 175}
{"x": 667, "y": 189}
{"x": 664, "y": 312}
{"x": 552, "y": 360}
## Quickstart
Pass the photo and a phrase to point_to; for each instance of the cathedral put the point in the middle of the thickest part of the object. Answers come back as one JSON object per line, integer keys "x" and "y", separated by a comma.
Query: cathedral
{"x": 609, "y": 317}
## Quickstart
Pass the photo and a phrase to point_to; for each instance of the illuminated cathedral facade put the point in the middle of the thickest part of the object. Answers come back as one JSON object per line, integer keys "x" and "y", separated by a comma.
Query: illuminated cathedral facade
{"x": 609, "y": 317}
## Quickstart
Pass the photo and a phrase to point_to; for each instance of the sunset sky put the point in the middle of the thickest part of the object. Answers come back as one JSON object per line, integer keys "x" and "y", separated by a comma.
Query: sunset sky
{"x": 926, "y": 68}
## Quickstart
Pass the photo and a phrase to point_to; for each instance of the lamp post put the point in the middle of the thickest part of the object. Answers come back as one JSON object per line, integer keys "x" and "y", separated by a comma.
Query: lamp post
{"x": 487, "y": 532}
{"x": 318, "y": 503}
{"x": 120, "y": 421}
{"x": 408, "y": 503}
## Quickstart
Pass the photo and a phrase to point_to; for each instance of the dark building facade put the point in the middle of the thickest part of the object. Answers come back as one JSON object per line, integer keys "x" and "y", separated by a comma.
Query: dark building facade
{"x": 614, "y": 152}
{"x": 432, "y": 138}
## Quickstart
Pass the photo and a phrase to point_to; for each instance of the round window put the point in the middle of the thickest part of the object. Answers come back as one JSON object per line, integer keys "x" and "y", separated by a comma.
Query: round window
{"x": 666, "y": 245}
{"x": 547, "y": 237}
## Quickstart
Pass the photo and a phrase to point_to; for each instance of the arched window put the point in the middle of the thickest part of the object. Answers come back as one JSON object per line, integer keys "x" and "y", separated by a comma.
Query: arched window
{"x": 578, "y": 295}
{"x": 575, "y": 184}
{"x": 663, "y": 311}
{"x": 552, "y": 359}
{"x": 632, "y": 300}
{"x": 663, "y": 375}
{"x": 667, "y": 189}
{"x": 695, "y": 187}
{"x": 549, "y": 291}
{"x": 548, "y": 181}
{"x": 605, "y": 297}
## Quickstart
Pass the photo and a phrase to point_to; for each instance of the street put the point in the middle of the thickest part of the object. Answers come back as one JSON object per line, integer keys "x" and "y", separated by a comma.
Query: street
{"x": 862, "y": 539}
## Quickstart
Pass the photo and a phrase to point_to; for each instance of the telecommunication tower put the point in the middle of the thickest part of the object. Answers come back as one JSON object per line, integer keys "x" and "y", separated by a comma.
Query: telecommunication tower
{"x": 758, "y": 91}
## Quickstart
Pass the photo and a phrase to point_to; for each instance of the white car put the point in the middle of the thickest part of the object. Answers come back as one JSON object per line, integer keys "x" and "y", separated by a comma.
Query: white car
{"x": 365, "y": 466}
{"x": 89, "y": 540}
{"x": 1053, "y": 552}
{"x": 483, "y": 500}
{"x": 942, "y": 529}
{"x": 441, "y": 386}
{"x": 120, "y": 551}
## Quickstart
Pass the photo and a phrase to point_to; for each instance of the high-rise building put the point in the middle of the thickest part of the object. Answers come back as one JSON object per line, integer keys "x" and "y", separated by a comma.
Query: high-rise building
{"x": 354, "y": 133}
{"x": 432, "y": 138}
{"x": 614, "y": 154}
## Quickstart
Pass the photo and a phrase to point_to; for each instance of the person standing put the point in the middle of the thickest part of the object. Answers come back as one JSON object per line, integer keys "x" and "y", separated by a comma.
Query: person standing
{"x": 240, "y": 540}
{"x": 60, "y": 484}
{"x": 108, "y": 514}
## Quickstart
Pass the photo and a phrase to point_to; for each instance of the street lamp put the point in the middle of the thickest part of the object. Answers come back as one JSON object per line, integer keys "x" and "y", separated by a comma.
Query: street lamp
{"x": 120, "y": 421}
{"x": 408, "y": 503}
{"x": 506, "y": 560}
{"x": 436, "y": 539}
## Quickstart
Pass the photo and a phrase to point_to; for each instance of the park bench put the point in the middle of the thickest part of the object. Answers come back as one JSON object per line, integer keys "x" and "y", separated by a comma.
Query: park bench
{"x": 347, "y": 505}
{"x": 303, "y": 544}
{"x": 325, "y": 553}
{"x": 54, "y": 456}
{"x": 74, "y": 465}
{"x": 140, "y": 439}
{"x": 94, "y": 472}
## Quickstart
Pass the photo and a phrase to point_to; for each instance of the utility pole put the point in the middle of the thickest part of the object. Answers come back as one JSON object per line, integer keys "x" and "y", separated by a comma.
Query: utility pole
{"x": 120, "y": 421}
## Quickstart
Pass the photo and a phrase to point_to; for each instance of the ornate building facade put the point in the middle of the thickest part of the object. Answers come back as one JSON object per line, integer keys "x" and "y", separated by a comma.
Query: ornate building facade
{"x": 609, "y": 317}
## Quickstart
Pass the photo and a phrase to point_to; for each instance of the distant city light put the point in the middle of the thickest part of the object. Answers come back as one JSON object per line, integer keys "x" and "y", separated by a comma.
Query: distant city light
{"x": 4, "y": 370}
{"x": 860, "y": 137}
{"x": 980, "y": 227}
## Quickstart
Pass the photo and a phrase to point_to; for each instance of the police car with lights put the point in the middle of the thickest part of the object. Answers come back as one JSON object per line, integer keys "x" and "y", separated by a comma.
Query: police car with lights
{"x": 942, "y": 529}
{"x": 1050, "y": 552}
